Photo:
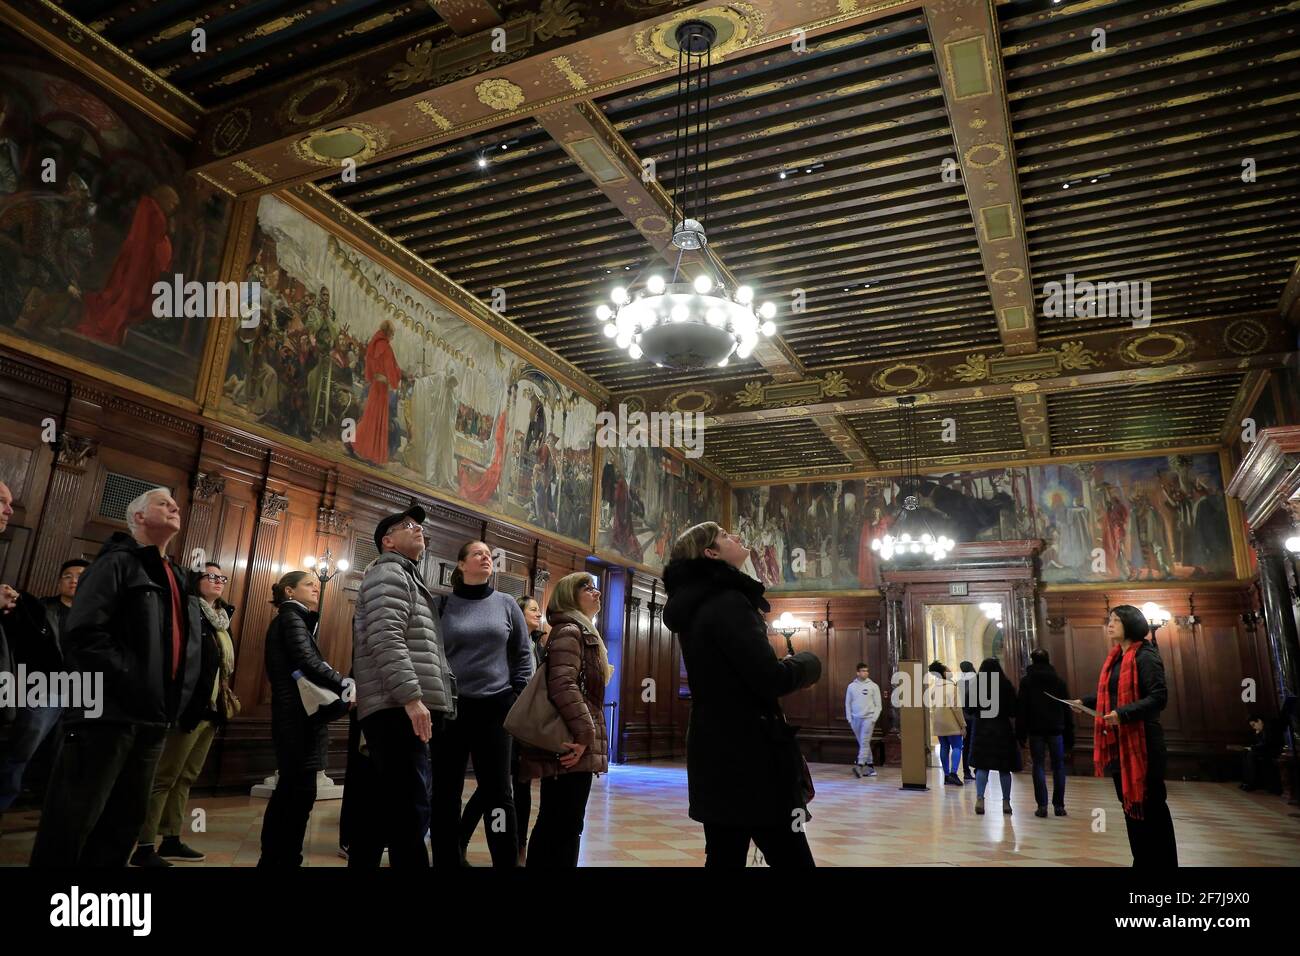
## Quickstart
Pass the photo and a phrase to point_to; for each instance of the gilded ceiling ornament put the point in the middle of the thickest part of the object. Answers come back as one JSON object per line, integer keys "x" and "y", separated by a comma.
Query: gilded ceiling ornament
{"x": 750, "y": 395}
{"x": 984, "y": 155}
{"x": 654, "y": 225}
{"x": 576, "y": 79}
{"x": 229, "y": 132}
{"x": 1025, "y": 387}
{"x": 427, "y": 108}
{"x": 693, "y": 400}
{"x": 738, "y": 24}
{"x": 499, "y": 93}
{"x": 834, "y": 385}
{"x": 1007, "y": 274}
{"x": 558, "y": 18}
{"x": 418, "y": 67}
{"x": 256, "y": 174}
{"x": 343, "y": 90}
{"x": 978, "y": 123}
{"x": 1245, "y": 337}
{"x": 309, "y": 147}
{"x": 974, "y": 369}
{"x": 1154, "y": 348}
{"x": 1074, "y": 356}
{"x": 901, "y": 377}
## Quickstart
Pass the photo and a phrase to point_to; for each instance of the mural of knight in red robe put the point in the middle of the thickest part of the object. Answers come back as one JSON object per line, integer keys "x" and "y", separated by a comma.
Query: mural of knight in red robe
{"x": 146, "y": 254}
{"x": 383, "y": 374}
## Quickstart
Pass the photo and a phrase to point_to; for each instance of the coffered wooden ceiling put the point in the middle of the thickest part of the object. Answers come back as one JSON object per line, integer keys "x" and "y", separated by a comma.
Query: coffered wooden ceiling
{"x": 943, "y": 163}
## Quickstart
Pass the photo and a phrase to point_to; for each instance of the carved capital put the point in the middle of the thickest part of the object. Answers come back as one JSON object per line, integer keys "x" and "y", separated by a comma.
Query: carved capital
{"x": 1024, "y": 590}
{"x": 206, "y": 486}
{"x": 74, "y": 452}
{"x": 1057, "y": 623}
{"x": 273, "y": 504}
{"x": 540, "y": 580}
{"x": 332, "y": 521}
{"x": 894, "y": 592}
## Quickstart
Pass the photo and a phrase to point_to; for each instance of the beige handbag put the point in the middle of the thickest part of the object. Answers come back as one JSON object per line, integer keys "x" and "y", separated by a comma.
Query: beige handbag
{"x": 534, "y": 720}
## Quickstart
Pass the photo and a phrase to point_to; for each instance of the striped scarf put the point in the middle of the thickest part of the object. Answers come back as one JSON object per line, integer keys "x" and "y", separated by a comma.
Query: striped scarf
{"x": 1128, "y": 746}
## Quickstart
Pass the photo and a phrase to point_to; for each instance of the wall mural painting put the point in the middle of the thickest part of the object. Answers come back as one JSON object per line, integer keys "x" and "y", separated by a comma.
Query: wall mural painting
{"x": 1140, "y": 519}
{"x": 648, "y": 498}
{"x": 362, "y": 365}
{"x": 95, "y": 207}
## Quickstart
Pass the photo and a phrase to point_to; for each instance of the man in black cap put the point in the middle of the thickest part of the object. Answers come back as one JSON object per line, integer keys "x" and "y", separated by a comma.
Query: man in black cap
{"x": 404, "y": 688}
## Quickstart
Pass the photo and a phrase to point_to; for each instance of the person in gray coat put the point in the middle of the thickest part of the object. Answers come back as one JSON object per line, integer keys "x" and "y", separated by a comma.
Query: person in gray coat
{"x": 404, "y": 686}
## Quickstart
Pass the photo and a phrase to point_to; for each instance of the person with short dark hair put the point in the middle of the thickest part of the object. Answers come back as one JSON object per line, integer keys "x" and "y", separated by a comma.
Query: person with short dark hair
{"x": 862, "y": 709}
{"x": 1047, "y": 725}
{"x": 131, "y": 621}
{"x": 186, "y": 748}
{"x": 1128, "y": 741}
{"x": 300, "y": 739}
{"x": 1259, "y": 759}
{"x": 34, "y": 628}
{"x": 994, "y": 743}
{"x": 968, "y": 694}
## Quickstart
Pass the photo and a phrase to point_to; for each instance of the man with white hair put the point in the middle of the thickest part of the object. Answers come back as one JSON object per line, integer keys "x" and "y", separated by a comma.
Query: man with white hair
{"x": 133, "y": 623}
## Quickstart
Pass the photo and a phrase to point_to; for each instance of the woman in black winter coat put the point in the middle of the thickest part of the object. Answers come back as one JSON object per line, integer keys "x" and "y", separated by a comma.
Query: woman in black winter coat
{"x": 1128, "y": 741}
{"x": 995, "y": 745}
{"x": 745, "y": 773}
{"x": 300, "y": 740}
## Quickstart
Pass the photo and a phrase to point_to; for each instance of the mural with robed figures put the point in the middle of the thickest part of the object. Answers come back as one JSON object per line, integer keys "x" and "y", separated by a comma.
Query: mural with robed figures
{"x": 95, "y": 207}
{"x": 1140, "y": 519}
{"x": 648, "y": 498}
{"x": 360, "y": 364}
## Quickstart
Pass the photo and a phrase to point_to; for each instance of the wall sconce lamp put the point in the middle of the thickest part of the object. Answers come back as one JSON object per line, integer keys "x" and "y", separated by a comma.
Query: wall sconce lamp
{"x": 787, "y": 626}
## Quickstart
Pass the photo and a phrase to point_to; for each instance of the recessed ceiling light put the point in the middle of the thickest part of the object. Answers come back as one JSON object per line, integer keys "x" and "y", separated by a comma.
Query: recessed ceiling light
{"x": 783, "y": 174}
{"x": 1094, "y": 180}
{"x": 482, "y": 162}
{"x": 1065, "y": 185}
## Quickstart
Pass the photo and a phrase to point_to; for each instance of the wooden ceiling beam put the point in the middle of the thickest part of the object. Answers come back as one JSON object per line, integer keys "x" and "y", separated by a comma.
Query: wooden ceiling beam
{"x": 967, "y": 46}
{"x": 467, "y": 17}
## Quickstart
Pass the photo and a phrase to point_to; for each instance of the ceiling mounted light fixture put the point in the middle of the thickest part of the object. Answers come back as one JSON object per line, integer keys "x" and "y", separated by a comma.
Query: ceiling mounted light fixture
{"x": 920, "y": 536}
{"x": 699, "y": 322}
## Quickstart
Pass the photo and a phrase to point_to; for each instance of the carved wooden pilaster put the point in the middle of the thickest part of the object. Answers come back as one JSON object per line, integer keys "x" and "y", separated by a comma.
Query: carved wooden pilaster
{"x": 1026, "y": 595}
{"x": 257, "y": 610}
{"x": 205, "y": 489}
{"x": 332, "y": 521}
{"x": 72, "y": 455}
{"x": 1276, "y": 598}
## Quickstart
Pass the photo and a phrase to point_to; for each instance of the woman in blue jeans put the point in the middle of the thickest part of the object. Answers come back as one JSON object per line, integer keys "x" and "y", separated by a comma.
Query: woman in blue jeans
{"x": 996, "y": 746}
{"x": 947, "y": 722}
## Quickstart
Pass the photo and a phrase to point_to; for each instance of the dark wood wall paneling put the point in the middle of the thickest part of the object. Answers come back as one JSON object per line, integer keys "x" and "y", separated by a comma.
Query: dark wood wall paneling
{"x": 246, "y": 503}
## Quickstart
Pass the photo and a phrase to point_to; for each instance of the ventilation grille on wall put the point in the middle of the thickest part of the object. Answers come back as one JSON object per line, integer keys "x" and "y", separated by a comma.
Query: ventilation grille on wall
{"x": 363, "y": 552}
{"x": 119, "y": 492}
{"x": 516, "y": 585}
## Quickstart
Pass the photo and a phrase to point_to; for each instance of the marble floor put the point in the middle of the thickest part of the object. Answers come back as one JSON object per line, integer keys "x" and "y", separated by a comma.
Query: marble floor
{"x": 637, "y": 817}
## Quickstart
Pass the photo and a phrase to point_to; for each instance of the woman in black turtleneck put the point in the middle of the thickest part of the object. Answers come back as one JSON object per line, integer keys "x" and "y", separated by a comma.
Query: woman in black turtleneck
{"x": 486, "y": 640}
{"x": 523, "y": 789}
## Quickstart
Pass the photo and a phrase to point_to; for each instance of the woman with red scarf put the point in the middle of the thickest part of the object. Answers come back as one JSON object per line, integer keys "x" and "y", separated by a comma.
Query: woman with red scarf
{"x": 1128, "y": 741}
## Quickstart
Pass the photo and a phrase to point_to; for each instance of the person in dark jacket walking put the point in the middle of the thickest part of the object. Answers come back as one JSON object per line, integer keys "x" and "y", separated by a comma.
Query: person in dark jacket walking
{"x": 404, "y": 689}
{"x": 995, "y": 739}
{"x": 35, "y": 628}
{"x": 1048, "y": 727}
{"x": 523, "y": 787}
{"x": 1128, "y": 741}
{"x": 300, "y": 740}
{"x": 577, "y": 672}
{"x": 968, "y": 694}
{"x": 132, "y": 621}
{"x": 744, "y": 770}
{"x": 486, "y": 641}
{"x": 186, "y": 748}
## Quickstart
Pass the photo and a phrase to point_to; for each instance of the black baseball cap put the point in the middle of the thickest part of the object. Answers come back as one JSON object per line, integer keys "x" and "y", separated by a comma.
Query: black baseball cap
{"x": 381, "y": 529}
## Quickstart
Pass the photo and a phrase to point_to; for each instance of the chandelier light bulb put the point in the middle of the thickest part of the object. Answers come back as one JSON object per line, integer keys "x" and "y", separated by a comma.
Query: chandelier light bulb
{"x": 634, "y": 351}
{"x": 309, "y": 561}
{"x": 680, "y": 313}
{"x": 743, "y": 352}
{"x": 1292, "y": 544}
{"x": 603, "y": 312}
{"x": 875, "y": 544}
{"x": 905, "y": 538}
{"x": 624, "y": 340}
{"x": 716, "y": 316}
{"x": 611, "y": 330}
{"x": 767, "y": 310}
{"x": 703, "y": 285}
{"x": 744, "y": 295}
{"x": 768, "y": 328}
{"x": 927, "y": 538}
{"x": 619, "y": 295}
{"x": 344, "y": 564}
{"x": 916, "y": 547}
{"x": 655, "y": 284}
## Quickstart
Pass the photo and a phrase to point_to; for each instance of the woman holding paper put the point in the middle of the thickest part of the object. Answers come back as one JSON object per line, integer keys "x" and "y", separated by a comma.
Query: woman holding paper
{"x": 300, "y": 740}
{"x": 1128, "y": 742}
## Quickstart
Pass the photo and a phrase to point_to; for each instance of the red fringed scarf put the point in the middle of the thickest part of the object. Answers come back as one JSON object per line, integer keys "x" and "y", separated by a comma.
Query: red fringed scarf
{"x": 1129, "y": 745}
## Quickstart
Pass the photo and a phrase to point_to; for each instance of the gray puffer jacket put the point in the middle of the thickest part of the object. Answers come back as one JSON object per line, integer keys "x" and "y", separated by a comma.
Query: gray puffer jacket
{"x": 397, "y": 652}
